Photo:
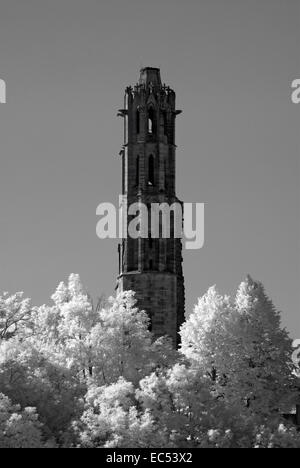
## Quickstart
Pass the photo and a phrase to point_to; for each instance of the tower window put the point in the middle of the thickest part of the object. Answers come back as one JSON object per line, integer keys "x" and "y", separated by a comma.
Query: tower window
{"x": 151, "y": 170}
{"x": 151, "y": 121}
{"x": 137, "y": 121}
{"x": 137, "y": 173}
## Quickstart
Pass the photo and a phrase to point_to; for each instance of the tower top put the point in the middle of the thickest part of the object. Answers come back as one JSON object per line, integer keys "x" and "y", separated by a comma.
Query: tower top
{"x": 150, "y": 75}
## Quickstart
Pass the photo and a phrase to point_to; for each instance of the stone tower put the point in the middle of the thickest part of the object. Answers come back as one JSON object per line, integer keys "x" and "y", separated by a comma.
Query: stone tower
{"x": 151, "y": 267}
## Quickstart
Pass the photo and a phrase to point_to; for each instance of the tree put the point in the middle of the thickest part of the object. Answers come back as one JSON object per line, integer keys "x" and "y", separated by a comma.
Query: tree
{"x": 266, "y": 367}
{"x": 15, "y": 315}
{"x": 184, "y": 407}
{"x": 90, "y": 376}
{"x": 111, "y": 419}
{"x": 77, "y": 320}
{"x": 29, "y": 378}
{"x": 280, "y": 436}
{"x": 62, "y": 331}
{"x": 122, "y": 344}
{"x": 240, "y": 344}
{"x": 19, "y": 428}
{"x": 209, "y": 338}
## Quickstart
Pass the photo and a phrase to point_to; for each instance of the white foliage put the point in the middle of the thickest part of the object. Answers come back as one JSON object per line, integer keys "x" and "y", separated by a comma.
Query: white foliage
{"x": 15, "y": 315}
{"x": 19, "y": 428}
{"x": 242, "y": 347}
{"x": 98, "y": 378}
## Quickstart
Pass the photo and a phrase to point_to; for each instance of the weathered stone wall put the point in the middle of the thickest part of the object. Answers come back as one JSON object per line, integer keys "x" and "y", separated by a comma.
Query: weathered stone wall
{"x": 161, "y": 295}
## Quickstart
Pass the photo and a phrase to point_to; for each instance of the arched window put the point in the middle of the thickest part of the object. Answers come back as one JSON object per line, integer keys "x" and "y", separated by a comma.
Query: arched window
{"x": 151, "y": 121}
{"x": 137, "y": 121}
{"x": 151, "y": 170}
{"x": 137, "y": 173}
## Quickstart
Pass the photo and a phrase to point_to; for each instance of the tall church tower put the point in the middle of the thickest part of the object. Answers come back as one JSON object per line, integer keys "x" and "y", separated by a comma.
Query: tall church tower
{"x": 151, "y": 267}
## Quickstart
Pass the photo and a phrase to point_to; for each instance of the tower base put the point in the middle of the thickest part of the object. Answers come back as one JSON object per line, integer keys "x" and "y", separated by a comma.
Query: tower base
{"x": 161, "y": 295}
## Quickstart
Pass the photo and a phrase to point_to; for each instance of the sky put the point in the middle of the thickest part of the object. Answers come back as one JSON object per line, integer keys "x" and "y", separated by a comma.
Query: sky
{"x": 66, "y": 64}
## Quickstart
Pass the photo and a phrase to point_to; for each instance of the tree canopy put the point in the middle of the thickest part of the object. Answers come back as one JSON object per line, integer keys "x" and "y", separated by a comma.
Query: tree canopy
{"x": 76, "y": 375}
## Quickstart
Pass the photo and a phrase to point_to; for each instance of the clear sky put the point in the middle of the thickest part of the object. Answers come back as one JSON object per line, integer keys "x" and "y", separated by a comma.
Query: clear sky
{"x": 231, "y": 62}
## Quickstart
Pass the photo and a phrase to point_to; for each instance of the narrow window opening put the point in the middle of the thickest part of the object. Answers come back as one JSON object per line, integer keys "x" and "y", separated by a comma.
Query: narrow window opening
{"x": 137, "y": 174}
{"x": 151, "y": 121}
{"x": 151, "y": 170}
{"x": 172, "y": 225}
{"x": 165, "y": 174}
{"x": 137, "y": 121}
